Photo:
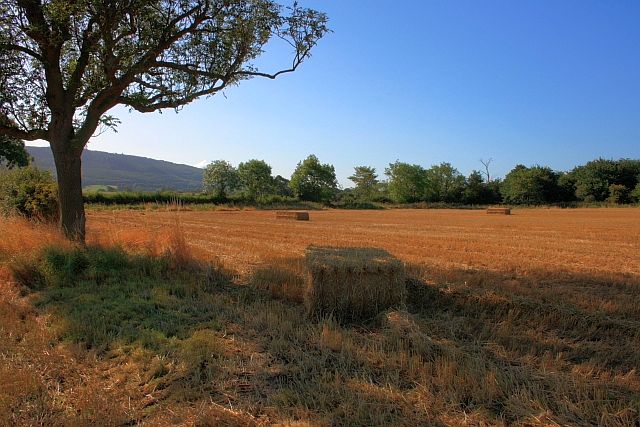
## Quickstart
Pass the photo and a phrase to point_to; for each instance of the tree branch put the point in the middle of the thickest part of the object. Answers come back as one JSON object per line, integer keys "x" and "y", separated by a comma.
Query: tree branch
{"x": 83, "y": 60}
{"x": 22, "y": 49}
{"x": 30, "y": 135}
{"x": 144, "y": 107}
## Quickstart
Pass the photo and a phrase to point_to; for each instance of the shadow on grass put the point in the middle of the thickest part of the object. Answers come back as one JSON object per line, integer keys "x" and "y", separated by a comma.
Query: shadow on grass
{"x": 542, "y": 347}
{"x": 471, "y": 346}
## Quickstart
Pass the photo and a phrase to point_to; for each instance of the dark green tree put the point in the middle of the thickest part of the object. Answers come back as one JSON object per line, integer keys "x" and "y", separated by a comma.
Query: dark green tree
{"x": 366, "y": 181}
{"x": 314, "y": 181}
{"x": 406, "y": 182}
{"x": 476, "y": 191}
{"x": 534, "y": 186}
{"x": 443, "y": 183}
{"x": 12, "y": 151}
{"x": 594, "y": 178}
{"x": 281, "y": 186}
{"x": 220, "y": 178}
{"x": 255, "y": 178}
{"x": 635, "y": 194}
{"x": 65, "y": 64}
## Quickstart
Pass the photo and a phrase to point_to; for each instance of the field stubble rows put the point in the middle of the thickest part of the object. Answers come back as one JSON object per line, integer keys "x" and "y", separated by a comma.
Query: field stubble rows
{"x": 528, "y": 319}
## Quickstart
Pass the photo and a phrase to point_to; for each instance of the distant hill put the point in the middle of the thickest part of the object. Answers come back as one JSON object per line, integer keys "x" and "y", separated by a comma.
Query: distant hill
{"x": 127, "y": 172}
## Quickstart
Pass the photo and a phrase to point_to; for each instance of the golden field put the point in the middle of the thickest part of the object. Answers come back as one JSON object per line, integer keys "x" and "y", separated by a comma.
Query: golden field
{"x": 527, "y": 319}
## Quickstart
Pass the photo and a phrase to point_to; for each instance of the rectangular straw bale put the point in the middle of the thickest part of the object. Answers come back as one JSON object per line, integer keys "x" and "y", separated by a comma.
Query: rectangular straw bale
{"x": 293, "y": 215}
{"x": 353, "y": 283}
{"x": 499, "y": 211}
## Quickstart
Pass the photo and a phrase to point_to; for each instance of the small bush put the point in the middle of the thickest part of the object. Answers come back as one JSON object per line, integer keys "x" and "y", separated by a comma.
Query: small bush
{"x": 635, "y": 194}
{"x": 618, "y": 194}
{"x": 29, "y": 192}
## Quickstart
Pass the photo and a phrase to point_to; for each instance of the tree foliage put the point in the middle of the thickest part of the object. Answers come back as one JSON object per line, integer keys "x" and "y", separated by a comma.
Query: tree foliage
{"x": 255, "y": 178}
{"x": 29, "y": 192}
{"x": 534, "y": 186}
{"x": 281, "y": 186}
{"x": 366, "y": 182}
{"x": 64, "y": 65}
{"x": 12, "y": 152}
{"x": 593, "y": 180}
{"x": 443, "y": 183}
{"x": 314, "y": 181}
{"x": 406, "y": 182}
{"x": 220, "y": 178}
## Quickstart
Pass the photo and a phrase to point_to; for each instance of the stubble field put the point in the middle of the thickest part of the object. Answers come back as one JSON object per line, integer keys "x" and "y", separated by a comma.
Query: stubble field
{"x": 530, "y": 319}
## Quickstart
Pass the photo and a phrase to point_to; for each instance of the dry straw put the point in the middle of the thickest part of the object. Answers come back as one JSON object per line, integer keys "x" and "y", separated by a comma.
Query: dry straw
{"x": 353, "y": 283}
{"x": 499, "y": 211}
{"x": 293, "y": 215}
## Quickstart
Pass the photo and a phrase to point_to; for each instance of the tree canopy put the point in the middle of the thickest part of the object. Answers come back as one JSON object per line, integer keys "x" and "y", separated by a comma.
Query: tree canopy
{"x": 366, "y": 182}
{"x": 443, "y": 183}
{"x": 406, "y": 182}
{"x": 530, "y": 185}
{"x": 64, "y": 65}
{"x": 313, "y": 180}
{"x": 220, "y": 178}
{"x": 255, "y": 178}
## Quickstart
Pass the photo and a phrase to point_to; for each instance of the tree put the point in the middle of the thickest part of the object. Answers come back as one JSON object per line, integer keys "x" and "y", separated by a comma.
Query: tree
{"x": 594, "y": 178}
{"x": 406, "y": 182}
{"x": 635, "y": 194}
{"x": 486, "y": 164}
{"x": 220, "y": 178}
{"x": 12, "y": 152}
{"x": 366, "y": 181}
{"x": 255, "y": 178}
{"x": 535, "y": 185}
{"x": 476, "y": 191}
{"x": 443, "y": 183}
{"x": 64, "y": 65}
{"x": 619, "y": 194}
{"x": 281, "y": 186}
{"x": 314, "y": 181}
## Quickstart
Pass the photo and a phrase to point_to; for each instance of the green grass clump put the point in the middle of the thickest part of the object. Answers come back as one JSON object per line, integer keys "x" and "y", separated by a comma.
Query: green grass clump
{"x": 110, "y": 298}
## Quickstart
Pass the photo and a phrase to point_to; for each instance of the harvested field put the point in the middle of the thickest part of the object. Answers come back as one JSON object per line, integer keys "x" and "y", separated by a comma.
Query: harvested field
{"x": 588, "y": 242}
{"x": 527, "y": 319}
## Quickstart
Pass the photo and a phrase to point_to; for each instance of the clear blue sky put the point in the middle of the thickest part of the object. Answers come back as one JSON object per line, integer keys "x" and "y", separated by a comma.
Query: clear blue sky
{"x": 555, "y": 83}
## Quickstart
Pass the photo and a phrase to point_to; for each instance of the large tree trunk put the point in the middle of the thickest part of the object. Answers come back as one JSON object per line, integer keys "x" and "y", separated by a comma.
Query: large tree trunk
{"x": 72, "y": 216}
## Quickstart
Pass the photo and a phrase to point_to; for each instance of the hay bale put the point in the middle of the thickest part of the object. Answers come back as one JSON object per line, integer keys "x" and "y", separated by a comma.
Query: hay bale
{"x": 293, "y": 215}
{"x": 353, "y": 283}
{"x": 499, "y": 211}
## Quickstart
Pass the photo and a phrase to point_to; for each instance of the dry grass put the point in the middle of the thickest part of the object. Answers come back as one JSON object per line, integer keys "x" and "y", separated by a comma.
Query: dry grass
{"x": 530, "y": 319}
{"x": 499, "y": 211}
{"x": 352, "y": 284}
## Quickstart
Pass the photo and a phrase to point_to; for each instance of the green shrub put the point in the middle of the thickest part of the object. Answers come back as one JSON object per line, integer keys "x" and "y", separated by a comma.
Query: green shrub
{"x": 29, "y": 192}
{"x": 635, "y": 194}
{"x": 618, "y": 194}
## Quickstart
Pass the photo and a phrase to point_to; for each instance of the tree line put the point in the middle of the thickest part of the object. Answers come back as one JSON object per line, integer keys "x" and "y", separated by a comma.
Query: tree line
{"x": 600, "y": 180}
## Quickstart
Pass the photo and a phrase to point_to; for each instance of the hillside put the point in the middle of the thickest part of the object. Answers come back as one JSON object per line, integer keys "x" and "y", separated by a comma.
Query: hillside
{"x": 127, "y": 172}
